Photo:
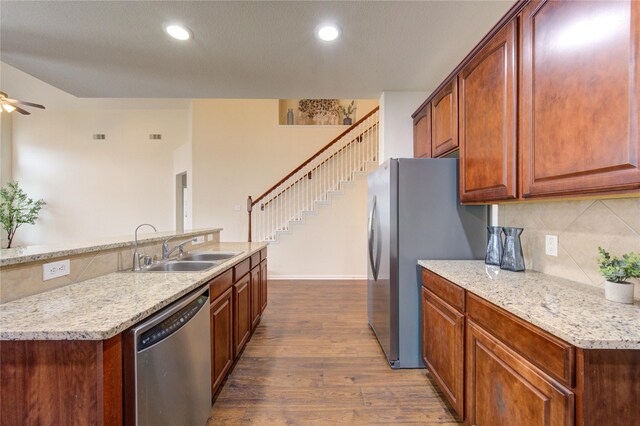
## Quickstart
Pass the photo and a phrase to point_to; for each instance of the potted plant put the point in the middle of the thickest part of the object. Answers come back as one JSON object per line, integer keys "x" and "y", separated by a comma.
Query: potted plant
{"x": 346, "y": 113}
{"x": 617, "y": 272}
{"x": 16, "y": 209}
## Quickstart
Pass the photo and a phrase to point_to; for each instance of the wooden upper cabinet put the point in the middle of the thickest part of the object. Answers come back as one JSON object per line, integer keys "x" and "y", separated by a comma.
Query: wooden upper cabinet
{"x": 422, "y": 133}
{"x": 444, "y": 120}
{"x": 488, "y": 99}
{"x": 579, "y": 87}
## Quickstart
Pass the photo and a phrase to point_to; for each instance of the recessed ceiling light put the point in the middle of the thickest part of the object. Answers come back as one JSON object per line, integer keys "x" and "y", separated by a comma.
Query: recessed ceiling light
{"x": 178, "y": 32}
{"x": 328, "y": 32}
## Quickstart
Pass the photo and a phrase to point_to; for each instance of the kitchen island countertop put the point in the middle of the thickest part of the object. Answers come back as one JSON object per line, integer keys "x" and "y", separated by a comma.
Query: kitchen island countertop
{"x": 101, "y": 307}
{"x": 575, "y": 312}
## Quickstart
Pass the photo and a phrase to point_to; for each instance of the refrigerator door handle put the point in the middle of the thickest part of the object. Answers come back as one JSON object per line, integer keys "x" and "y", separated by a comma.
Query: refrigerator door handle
{"x": 372, "y": 216}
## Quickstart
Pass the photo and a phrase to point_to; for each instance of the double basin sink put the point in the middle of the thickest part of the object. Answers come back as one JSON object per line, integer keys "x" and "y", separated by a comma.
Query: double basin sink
{"x": 194, "y": 262}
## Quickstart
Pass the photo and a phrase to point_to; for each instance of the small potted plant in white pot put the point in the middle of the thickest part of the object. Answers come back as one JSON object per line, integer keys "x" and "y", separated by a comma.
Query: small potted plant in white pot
{"x": 617, "y": 288}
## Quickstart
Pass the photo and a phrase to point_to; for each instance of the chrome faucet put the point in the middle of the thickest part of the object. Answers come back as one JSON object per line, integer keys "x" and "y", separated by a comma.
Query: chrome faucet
{"x": 166, "y": 252}
{"x": 138, "y": 257}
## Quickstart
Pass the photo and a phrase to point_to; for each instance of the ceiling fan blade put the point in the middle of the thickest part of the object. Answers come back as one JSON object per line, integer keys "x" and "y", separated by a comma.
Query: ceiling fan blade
{"x": 21, "y": 111}
{"x": 31, "y": 104}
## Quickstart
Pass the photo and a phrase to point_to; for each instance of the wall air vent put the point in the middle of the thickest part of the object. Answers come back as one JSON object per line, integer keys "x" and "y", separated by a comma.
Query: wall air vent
{"x": 155, "y": 136}
{"x": 99, "y": 136}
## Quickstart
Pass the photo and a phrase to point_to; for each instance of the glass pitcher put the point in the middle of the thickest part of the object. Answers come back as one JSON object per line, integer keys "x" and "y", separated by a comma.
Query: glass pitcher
{"x": 512, "y": 257}
{"x": 494, "y": 245}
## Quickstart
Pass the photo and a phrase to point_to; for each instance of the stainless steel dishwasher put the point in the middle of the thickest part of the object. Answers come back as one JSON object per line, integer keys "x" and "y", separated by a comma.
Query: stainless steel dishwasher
{"x": 168, "y": 365}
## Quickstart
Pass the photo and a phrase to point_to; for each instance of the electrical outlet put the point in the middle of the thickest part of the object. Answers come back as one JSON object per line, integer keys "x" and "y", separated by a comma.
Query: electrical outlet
{"x": 210, "y": 237}
{"x": 55, "y": 269}
{"x": 551, "y": 245}
{"x": 198, "y": 240}
{"x": 236, "y": 207}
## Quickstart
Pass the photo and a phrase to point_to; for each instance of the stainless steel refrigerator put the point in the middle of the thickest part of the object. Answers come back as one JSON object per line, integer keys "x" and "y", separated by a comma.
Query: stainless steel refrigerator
{"x": 414, "y": 213}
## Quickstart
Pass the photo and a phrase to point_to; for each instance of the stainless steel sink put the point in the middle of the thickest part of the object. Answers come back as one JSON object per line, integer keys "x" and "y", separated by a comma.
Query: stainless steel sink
{"x": 209, "y": 256}
{"x": 180, "y": 266}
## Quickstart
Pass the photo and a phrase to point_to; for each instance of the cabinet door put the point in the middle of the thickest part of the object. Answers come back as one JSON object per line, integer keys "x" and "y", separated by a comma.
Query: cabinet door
{"x": 422, "y": 133}
{"x": 488, "y": 99}
{"x": 263, "y": 286}
{"x": 503, "y": 388}
{"x": 241, "y": 313}
{"x": 443, "y": 347}
{"x": 255, "y": 297}
{"x": 221, "y": 311}
{"x": 579, "y": 90}
{"x": 444, "y": 120}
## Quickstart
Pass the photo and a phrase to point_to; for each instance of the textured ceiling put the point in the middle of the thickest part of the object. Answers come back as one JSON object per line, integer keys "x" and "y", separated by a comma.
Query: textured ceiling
{"x": 241, "y": 49}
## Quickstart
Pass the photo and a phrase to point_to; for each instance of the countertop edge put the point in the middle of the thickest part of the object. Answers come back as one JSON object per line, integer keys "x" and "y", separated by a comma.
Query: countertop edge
{"x": 577, "y": 342}
{"x": 124, "y": 325}
{"x": 89, "y": 248}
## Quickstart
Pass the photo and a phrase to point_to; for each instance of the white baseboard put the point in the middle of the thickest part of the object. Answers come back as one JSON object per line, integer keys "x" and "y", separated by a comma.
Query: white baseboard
{"x": 316, "y": 277}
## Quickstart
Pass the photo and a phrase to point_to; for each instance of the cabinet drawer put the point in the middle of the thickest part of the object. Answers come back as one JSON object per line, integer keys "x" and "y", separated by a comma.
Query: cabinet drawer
{"x": 255, "y": 259}
{"x": 241, "y": 269}
{"x": 263, "y": 254}
{"x": 220, "y": 284}
{"x": 549, "y": 353}
{"x": 447, "y": 291}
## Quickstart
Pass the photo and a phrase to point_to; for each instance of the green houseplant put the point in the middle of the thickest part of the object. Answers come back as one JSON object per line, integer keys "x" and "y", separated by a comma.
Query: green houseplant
{"x": 16, "y": 209}
{"x": 617, "y": 272}
{"x": 346, "y": 112}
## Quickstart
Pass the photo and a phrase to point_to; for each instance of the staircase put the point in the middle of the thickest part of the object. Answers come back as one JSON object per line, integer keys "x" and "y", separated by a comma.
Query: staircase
{"x": 312, "y": 182}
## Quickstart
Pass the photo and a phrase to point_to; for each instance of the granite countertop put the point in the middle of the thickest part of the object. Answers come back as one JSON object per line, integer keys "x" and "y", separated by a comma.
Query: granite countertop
{"x": 18, "y": 255}
{"x": 102, "y": 307}
{"x": 574, "y": 312}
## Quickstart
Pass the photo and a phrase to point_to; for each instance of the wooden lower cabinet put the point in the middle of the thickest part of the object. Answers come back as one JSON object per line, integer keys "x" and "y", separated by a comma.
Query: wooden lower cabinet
{"x": 221, "y": 314}
{"x": 61, "y": 382}
{"x": 263, "y": 286}
{"x": 443, "y": 347}
{"x": 255, "y": 297}
{"x": 241, "y": 313}
{"x": 503, "y": 388}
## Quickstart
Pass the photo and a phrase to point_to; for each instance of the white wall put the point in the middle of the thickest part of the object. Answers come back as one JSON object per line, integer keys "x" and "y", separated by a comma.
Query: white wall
{"x": 6, "y": 147}
{"x": 182, "y": 162}
{"x": 396, "y": 128}
{"x": 337, "y": 233}
{"x": 93, "y": 189}
{"x": 240, "y": 150}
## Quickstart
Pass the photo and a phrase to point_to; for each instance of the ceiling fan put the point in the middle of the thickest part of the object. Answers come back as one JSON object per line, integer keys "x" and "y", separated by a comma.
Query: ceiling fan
{"x": 11, "y": 105}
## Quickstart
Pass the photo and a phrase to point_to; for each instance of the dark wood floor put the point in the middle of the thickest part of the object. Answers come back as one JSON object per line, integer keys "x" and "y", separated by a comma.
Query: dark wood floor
{"x": 313, "y": 360}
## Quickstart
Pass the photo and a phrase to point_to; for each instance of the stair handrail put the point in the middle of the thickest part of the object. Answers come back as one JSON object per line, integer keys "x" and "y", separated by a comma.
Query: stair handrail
{"x": 251, "y": 202}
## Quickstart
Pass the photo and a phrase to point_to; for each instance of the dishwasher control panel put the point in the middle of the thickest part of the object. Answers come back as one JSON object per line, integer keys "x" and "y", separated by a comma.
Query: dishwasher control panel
{"x": 170, "y": 325}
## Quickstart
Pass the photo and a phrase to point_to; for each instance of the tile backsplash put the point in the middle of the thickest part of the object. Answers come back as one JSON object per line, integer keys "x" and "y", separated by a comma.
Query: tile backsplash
{"x": 581, "y": 226}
